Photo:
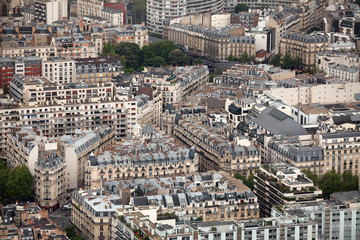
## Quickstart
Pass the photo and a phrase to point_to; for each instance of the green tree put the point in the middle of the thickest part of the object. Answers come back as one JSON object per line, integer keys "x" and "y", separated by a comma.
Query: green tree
{"x": 330, "y": 182}
{"x": 275, "y": 60}
{"x": 6, "y": 89}
{"x": 4, "y": 176}
{"x": 232, "y": 58}
{"x": 177, "y": 57}
{"x": 249, "y": 181}
{"x": 287, "y": 62}
{"x": 349, "y": 181}
{"x": 241, "y": 8}
{"x": 131, "y": 52}
{"x": 163, "y": 48}
{"x": 252, "y": 58}
{"x": 298, "y": 64}
{"x": 108, "y": 50}
{"x": 70, "y": 231}
{"x": 129, "y": 70}
{"x": 122, "y": 59}
{"x": 311, "y": 175}
{"x": 244, "y": 58}
{"x": 155, "y": 62}
{"x": 198, "y": 61}
{"x": 19, "y": 184}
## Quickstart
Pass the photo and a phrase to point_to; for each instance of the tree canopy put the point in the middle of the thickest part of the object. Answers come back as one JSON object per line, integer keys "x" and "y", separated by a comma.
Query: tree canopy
{"x": 332, "y": 181}
{"x": 249, "y": 181}
{"x": 6, "y": 89}
{"x": 286, "y": 62}
{"x": 161, "y": 53}
{"x": 15, "y": 184}
{"x": 242, "y": 7}
{"x": 244, "y": 58}
{"x": 275, "y": 60}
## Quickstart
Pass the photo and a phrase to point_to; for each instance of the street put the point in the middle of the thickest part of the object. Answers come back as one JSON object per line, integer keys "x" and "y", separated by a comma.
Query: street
{"x": 61, "y": 218}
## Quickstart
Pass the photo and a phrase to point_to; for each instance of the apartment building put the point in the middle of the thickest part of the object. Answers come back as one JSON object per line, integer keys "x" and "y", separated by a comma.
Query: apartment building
{"x": 145, "y": 106}
{"x": 91, "y": 212}
{"x": 49, "y": 11}
{"x": 97, "y": 70}
{"x": 349, "y": 74}
{"x": 155, "y": 155}
{"x": 113, "y": 16}
{"x": 50, "y": 179}
{"x": 157, "y": 12}
{"x": 341, "y": 151}
{"x": 27, "y": 220}
{"x": 214, "y": 43}
{"x": 89, "y": 8}
{"x": 304, "y": 46}
{"x": 27, "y": 66}
{"x": 76, "y": 46}
{"x": 139, "y": 223}
{"x": 206, "y": 206}
{"x": 281, "y": 184}
{"x": 297, "y": 152}
{"x": 336, "y": 218}
{"x": 238, "y": 110}
{"x": 12, "y": 49}
{"x": 217, "y": 153}
{"x": 172, "y": 84}
{"x": 230, "y": 5}
{"x": 322, "y": 93}
{"x": 59, "y": 70}
{"x": 136, "y": 33}
{"x": 25, "y": 146}
{"x": 58, "y": 119}
{"x": 327, "y": 58}
{"x": 40, "y": 91}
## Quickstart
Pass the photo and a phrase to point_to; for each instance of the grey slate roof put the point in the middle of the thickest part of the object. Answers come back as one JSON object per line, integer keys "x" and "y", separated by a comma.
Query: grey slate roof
{"x": 279, "y": 123}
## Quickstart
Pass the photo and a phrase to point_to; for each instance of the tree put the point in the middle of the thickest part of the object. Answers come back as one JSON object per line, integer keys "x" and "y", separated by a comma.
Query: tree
{"x": 241, "y": 8}
{"x": 232, "y": 58}
{"x": 129, "y": 70}
{"x": 6, "y": 89}
{"x": 244, "y": 58}
{"x": 287, "y": 61}
{"x": 311, "y": 175}
{"x": 108, "y": 50}
{"x": 155, "y": 62}
{"x": 177, "y": 57}
{"x": 252, "y": 59}
{"x": 4, "y": 176}
{"x": 131, "y": 52}
{"x": 70, "y": 231}
{"x": 163, "y": 48}
{"x": 275, "y": 60}
{"x": 349, "y": 181}
{"x": 330, "y": 182}
{"x": 122, "y": 59}
{"x": 198, "y": 61}
{"x": 298, "y": 64}
{"x": 249, "y": 181}
{"x": 19, "y": 184}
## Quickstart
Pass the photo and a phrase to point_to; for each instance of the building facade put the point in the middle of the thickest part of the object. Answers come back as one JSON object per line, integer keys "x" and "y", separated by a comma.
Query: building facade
{"x": 49, "y": 11}
{"x": 97, "y": 70}
{"x": 59, "y": 70}
{"x": 281, "y": 184}
{"x": 216, "y": 44}
{"x": 303, "y": 46}
{"x": 158, "y": 11}
{"x": 50, "y": 180}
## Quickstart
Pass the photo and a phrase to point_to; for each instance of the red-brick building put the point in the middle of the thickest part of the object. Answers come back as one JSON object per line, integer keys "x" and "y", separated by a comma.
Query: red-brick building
{"x": 28, "y": 66}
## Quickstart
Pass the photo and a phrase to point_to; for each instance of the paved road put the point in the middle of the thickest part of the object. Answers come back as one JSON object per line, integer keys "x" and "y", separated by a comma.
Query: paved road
{"x": 62, "y": 218}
